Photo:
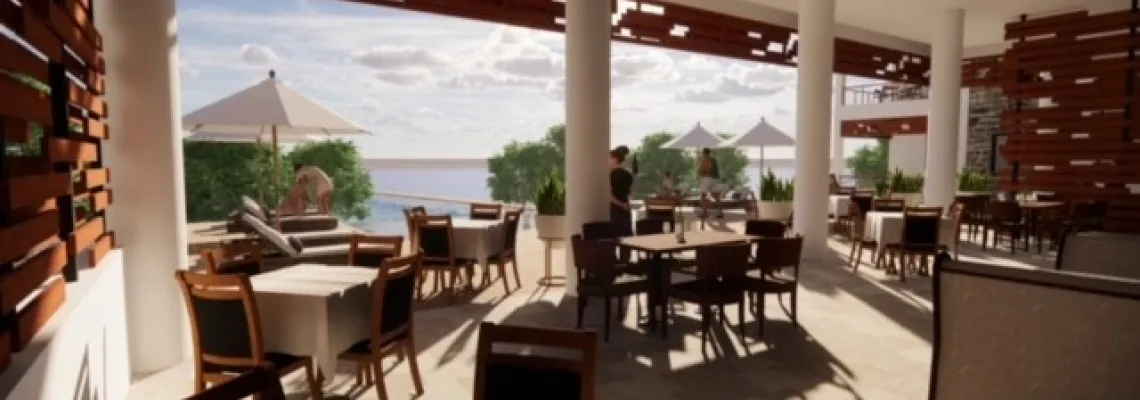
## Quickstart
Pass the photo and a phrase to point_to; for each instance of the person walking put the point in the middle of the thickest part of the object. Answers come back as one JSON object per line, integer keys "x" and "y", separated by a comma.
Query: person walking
{"x": 709, "y": 173}
{"x": 314, "y": 176}
{"x": 621, "y": 184}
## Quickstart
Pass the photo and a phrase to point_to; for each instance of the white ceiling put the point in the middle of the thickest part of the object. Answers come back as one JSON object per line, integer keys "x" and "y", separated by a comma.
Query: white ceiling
{"x": 905, "y": 24}
{"x": 911, "y": 19}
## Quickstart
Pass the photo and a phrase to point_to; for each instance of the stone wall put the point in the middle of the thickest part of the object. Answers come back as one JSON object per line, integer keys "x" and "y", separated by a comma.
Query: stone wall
{"x": 986, "y": 106}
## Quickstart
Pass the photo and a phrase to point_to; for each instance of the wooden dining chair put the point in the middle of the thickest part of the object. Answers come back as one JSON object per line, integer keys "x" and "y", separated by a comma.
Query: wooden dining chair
{"x": 509, "y": 254}
{"x": 888, "y": 205}
{"x": 261, "y": 382}
{"x": 662, "y": 209}
{"x": 596, "y": 230}
{"x": 765, "y": 228}
{"x": 774, "y": 258}
{"x": 437, "y": 240}
{"x": 486, "y": 211}
{"x": 1005, "y": 218}
{"x": 227, "y": 331}
{"x": 392, "y": 328}
{"x": 238, "y": 257}
{"x": 719, "y": 268}
{"x": 410, "y": 214}
{"x": 860, "y": 241}
{"x": 503, "y": 374}
{"x": 600, "y": 276}
{"x": 955, "y": 213}
{"x": 920, "y": 239}
{"x": 371, "y": 250}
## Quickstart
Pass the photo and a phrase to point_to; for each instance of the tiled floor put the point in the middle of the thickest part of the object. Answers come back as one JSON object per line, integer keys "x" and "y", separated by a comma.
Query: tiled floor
{"x": 862, "y": 336}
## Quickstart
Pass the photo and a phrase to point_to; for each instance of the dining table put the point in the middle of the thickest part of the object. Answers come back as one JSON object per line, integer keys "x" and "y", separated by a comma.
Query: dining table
{"x": 838, "y": 204}
{"x": 316, "y": 310}
{"x": 885, "y": 228}
{"x": 478, "y": 239}
{"x": 657, "y": 246}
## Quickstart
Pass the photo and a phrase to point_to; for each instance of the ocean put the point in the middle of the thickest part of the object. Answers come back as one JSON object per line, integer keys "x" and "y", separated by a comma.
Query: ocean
{"x": 457, "y": 183}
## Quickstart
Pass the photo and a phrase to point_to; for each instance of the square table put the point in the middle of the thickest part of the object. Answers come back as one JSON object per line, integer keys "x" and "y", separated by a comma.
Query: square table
{"x": 317, "y": 310}
{"x": 838, "y": 204}
{"x": 657, "y": 245}
{"x": 885, "y": 227}
{"x": 478, "y": 239}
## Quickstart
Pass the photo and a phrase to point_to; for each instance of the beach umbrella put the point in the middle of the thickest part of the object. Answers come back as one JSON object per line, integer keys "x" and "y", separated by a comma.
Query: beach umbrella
{"x": 268, "y": 109}
{"x": 244, "y": 138}
{"x": 760, "y": 136}
{"x": 697, "y": 138}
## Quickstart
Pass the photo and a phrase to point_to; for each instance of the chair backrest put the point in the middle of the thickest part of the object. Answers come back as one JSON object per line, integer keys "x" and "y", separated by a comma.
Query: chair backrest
{"x": 598, "y": 230}
{"x": 511, "y": 229}
{"x": 660, "y": 208}
{"x": 1088, "y": 210}
{"x": 241, "y": 257}
{"x": 769, "y": 228}
{"x": 721, "y": 260}
{"x": 1056, "y": 335}
{"x": 486, "y": 211}
{"x": 774, "y": 254}
{"x": 371, "y": 250}
{"x": 593, "y": 257}
{"x": 1103, "y": 253}
{"x": 224, "y": 319}
{"x": 650, "y": 226}
{"x": 392, "y": 298}
{"x": 525, "y": 375}
{"x": 410, "y": 214}
{"x": 261, "y": 381}
{"x": 436, "y": 238}
{"x": 921, "y": 226}
{"x": 1004, "y": 211}
{"x": 865, "y": 203}
{"x": 888, "y": 205}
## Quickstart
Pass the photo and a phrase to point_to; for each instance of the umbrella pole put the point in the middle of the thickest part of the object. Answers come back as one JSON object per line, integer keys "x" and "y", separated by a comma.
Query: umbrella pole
{"x": 260, "y": 189}
{"x": 276, "y": 160}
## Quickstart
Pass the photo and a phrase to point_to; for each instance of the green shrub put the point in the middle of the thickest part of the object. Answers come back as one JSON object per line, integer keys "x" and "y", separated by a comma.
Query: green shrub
{"x": 551, "y": 197}
{"x": 776, "y": 190}
{"x": 970, "y": 181}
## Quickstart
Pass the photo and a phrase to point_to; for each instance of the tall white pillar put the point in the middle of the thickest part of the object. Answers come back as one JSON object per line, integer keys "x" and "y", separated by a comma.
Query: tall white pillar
{"x": 838, "y": 85}
{"x": 945, "y": 108}
{"x": 145, "y": 157}
{"x": 816, "y": 59}
{"x": 587, "y": 119}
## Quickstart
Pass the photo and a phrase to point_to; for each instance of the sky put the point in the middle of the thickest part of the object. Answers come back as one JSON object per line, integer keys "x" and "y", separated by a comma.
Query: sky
{"x": 430, "y": 86}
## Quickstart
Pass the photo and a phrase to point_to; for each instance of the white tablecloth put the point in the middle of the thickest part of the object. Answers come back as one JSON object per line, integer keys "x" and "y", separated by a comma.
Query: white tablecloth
{"x": 314, "y": 310}
{"x": 886, "y": 228}
{"x": 838, "y": 205}
{"x": 478, "y": 239}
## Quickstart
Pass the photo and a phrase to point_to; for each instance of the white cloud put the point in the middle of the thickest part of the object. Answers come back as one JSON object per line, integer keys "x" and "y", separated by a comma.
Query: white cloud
{"x": 740, "y": 81}
{"x": 652, "y": 66}
{"x": 188, "y": 70}
{"x": 481, "y": 79}
{"x": 781, "y": 111}
{"x": 259, "y": 55}
{"x": 555, "y": 90}
{"x": 405, "y": 77}
{"x": 395, "y": 57}
{"x": 699, "y": 62}
{"x": 701, "y": 95}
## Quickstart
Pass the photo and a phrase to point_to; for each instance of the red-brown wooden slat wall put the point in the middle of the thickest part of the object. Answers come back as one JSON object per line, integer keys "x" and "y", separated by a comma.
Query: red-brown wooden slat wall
{"x": 52, "y": 201}
{"x": 1076, "y": 129}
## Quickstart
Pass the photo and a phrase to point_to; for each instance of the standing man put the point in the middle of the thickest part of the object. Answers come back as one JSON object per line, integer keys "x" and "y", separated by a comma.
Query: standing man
{"x": 316, "y": 177}
{"x": 709, "y": 173}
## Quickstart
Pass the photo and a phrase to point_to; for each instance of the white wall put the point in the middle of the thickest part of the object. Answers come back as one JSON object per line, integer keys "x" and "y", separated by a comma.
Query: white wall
{"x": 82, "y": 352}
{"x": 908, "y": 153}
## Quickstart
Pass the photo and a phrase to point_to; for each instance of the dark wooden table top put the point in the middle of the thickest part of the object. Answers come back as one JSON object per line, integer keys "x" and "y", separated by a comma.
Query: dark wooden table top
{"x": 667, "y": 242}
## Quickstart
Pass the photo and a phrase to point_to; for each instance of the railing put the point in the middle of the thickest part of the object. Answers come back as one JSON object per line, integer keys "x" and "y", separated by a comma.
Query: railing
{"x": 879, "y": 94}
{"x": 388, "y": 218}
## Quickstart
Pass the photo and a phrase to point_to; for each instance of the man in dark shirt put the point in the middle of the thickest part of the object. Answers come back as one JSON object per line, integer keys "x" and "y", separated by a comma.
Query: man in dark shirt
{"x": 621, "y": 184}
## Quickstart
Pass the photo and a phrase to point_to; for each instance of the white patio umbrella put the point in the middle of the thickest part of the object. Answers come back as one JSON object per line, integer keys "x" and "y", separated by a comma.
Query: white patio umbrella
{"x": 244, "y": 138}
{"x": 697, "y": 138}
{"x": 268, "y": 107}
{"x": 762, "y": 135}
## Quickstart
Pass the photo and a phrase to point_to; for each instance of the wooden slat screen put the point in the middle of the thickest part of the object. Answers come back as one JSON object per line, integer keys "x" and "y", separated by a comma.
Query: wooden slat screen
{"x": 1072, "y": 126}
{"x": 53, "y": 186}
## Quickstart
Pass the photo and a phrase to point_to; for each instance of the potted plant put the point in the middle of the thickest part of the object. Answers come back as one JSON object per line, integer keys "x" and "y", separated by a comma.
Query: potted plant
{"x": 907, "y": 187}
{"x": 974, "y": 183}
{"x": 550, "y": 204}
{"x": 776, "y": 197}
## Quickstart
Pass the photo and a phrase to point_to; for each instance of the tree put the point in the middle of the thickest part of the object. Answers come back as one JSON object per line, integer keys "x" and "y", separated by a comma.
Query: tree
{"x": 870, "y": 164}
{"x": 654, "y": 160}
{"x": 519, "y": 169}
{"x": 218, "y": 174}
{"x": 342, "y": 162}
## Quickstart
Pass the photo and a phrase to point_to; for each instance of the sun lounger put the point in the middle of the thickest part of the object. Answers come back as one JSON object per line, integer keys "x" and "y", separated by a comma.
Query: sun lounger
{"x": 287, "y": 224}
{"x": 289, "y": 250}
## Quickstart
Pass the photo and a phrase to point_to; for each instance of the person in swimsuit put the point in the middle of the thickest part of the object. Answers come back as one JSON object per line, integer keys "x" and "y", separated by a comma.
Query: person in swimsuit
{"x": 324, "y": 185}
{"x": 709, "y": 173}
{"x": 621, "y": 184}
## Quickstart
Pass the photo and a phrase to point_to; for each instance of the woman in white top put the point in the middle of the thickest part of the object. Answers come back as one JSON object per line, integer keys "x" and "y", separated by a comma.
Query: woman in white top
{"x": 312, "y": 175}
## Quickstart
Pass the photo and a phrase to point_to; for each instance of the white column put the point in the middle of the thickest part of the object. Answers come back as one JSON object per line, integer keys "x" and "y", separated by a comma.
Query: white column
{"x": 963, "y": 128}
{"x": 816, "y": 59}
{"x": 839, "y": 82}
{"x": 145, "y": 157}
{"x": 587, "y": 118}
{"x": 945, "y": 108}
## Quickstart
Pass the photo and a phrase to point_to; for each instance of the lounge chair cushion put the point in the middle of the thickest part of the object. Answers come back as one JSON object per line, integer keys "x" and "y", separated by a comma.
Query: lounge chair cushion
{"x": 297, "y": 245}
{"x": 275, "y": 238}
{"x": 253, "y": 208}
{"x": 327, "y": 250}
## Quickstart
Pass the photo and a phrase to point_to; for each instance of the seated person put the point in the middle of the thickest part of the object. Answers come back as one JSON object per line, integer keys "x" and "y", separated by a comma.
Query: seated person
{"x": 668, "y": 186}
{"x": 294, "y": 203}
{"x": 324, "y": 185}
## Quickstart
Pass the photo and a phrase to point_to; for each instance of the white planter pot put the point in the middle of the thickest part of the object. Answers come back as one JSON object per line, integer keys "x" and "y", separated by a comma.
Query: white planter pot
{"x": 550, "y": 226}
{"x": 778, "y": 210}
{"x": 911, "y": 199}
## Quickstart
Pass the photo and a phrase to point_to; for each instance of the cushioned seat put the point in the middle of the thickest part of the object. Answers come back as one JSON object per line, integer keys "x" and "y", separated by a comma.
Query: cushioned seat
{"x": 279, "y": 360}
{"x": 363, "y": 348}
